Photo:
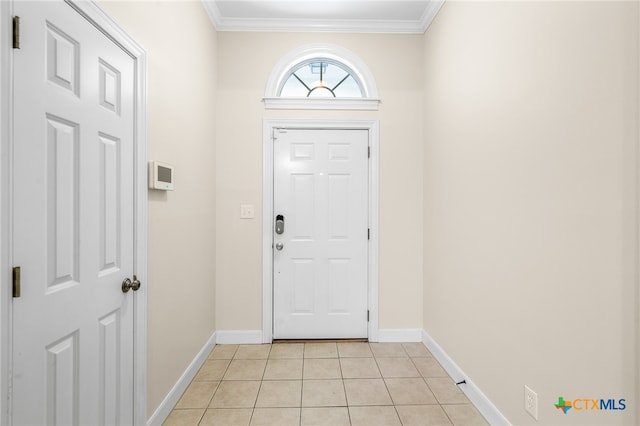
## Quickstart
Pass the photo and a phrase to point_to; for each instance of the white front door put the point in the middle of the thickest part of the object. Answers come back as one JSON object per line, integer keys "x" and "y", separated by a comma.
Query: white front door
{"x": 321, "y": 242}
{"x": 72, "y": 208}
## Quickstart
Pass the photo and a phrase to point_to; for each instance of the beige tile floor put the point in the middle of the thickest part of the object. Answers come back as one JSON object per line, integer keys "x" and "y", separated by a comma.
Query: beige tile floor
{"x": 327, "y": 384}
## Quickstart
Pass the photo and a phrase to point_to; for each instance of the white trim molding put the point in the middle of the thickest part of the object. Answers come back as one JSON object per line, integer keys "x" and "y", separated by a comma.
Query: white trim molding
{"x": 6, "y": 95}
{"x": 164, "y": 409}
{"x": 473, "y": 392}
{"x": 269, "y": 125}
{"x": 430, "y": 13}
{"x": 359, "y": 104}
{"x": 637, "y": 235}
{"x": 356, "y": 66}
{"x": 417, "y": 26}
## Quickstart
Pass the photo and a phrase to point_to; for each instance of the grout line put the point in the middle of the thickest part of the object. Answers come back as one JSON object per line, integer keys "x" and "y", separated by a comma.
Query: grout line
{"x": 255, "y": 402}
{"x": 304, "y": 349}
{"x": 446, "y": 414}
{"x": 302, "y": 382}
{"x": 202, "y": 416}
{"x": 211, "y": 399}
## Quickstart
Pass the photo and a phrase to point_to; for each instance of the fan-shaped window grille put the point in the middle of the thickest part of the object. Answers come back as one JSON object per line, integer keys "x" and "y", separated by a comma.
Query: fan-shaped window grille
{"x": 321, "y": 77}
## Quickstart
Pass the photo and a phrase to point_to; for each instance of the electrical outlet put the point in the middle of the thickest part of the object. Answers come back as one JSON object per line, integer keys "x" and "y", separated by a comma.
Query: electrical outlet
{"x": 531, "y": 402}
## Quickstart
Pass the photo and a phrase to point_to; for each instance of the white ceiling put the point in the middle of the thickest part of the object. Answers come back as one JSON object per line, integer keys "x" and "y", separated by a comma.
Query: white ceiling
{"x": 377, "y": 16}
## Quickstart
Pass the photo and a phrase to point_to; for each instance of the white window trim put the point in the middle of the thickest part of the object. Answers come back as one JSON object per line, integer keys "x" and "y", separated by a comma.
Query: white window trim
{"x": 290, "y": 61}
{"x": 322, "y": 103}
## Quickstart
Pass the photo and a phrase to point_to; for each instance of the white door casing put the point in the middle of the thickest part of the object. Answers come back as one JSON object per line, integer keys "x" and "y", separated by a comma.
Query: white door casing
{"x": 271, "y": 126}
{"x": 320, "y": 258}
{"x": 78, "y": 219}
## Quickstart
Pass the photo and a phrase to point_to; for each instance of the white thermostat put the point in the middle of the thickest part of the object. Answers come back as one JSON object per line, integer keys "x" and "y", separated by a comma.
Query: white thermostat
{"x": 161, "y": 176}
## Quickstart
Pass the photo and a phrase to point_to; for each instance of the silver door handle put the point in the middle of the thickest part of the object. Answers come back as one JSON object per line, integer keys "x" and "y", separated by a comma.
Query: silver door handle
{"x": 279, "y": 246}
{"x": 126, "y": 285}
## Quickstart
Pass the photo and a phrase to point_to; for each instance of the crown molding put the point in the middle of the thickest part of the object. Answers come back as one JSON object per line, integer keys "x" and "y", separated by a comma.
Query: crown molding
{"x": 213, "y": 12}
{"x": 222, "y": 23}
{"x": 430, "y": 13}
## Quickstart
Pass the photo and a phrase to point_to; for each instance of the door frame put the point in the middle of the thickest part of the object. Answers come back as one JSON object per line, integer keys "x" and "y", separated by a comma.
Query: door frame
{"x": 268, "y": 129}
{"x": 92, "y": 12}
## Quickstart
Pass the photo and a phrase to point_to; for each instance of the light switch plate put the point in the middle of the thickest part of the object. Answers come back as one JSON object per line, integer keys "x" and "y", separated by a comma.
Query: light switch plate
{"x": 246, "y": 211}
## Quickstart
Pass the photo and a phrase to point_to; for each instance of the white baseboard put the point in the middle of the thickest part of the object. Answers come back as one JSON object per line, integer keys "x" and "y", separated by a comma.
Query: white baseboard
{"x": 400, "y": 335}
{"x": 475, "y": 395}
{"x": 172, "y": 398}
{"x": 238, "y": 337}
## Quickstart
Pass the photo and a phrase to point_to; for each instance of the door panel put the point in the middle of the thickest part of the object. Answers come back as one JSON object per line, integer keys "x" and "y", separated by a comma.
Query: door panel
{"x": 320, "y": 274}
{"x": 72, "y": 221}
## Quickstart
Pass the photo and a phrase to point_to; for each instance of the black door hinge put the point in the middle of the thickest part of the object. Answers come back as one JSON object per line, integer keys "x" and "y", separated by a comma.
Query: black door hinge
{"x": 16, "y": 32}
{"x": 16, "y": 282}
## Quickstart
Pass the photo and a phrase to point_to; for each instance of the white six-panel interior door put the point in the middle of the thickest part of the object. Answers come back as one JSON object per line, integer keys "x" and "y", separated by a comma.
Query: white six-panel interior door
{"x": 73, "y": 221}
{"x": 320, "y": 259}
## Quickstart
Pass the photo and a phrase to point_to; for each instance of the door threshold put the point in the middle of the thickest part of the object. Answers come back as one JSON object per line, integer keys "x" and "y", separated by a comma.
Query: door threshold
{"x": 285, "y": 341}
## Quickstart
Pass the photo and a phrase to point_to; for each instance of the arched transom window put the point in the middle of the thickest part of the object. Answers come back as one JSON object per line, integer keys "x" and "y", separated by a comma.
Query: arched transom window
{"x": 321, "y": 77}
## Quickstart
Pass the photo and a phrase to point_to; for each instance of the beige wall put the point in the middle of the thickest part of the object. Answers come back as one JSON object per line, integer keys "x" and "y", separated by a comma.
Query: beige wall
{"x": 181, "y": 114}
{"x": 507, "y": 189}
{"x": 530, "y": 189}
{"x": 245, "y": 61}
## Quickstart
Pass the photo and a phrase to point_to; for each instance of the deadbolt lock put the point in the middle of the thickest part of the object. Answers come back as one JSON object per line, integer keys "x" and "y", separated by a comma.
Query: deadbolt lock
{"x": 280, "y": 224}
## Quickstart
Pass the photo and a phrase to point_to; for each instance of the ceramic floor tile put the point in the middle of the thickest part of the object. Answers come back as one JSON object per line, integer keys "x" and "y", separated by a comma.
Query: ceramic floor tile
{"x": 416, "y": 350}
{"x": 235, "y": 394}
{"x": 381, "y": 350}
{"x": 246, "y": 369}
{"x": 446, "y": 391}
{"x": 280, "y": 393}
{"x": 410, "y": 392}
{"x": 324, "y": 416}
{"x": 367, "y": 392}
{"x": 382, "y": 383}
{"x": 374, "y": 416}
{"x": 354, "y": 349}
{"x": 287, "y": 350}
{"x": 227, "y": 417}
{"x": 283, "y": 369}
{"x": 359, "y": 368}
{"x": 253, "y": 352}
{"x": 212, "y": 370}
{"x": 321, "y": 368}
{"x": 397, "y": 367}
{"x": 189, "y": 417}
{"x": 320, "y": 350}
{"x": 276, "y": 416}
{"x": 422, "y": 415}
{"x": 464, "y": 415}
{"x": 223, "y": 352}
{"x": 429, "y": 367}
{"x": 197, "y": 395}
{"x": 323, "y": 393}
